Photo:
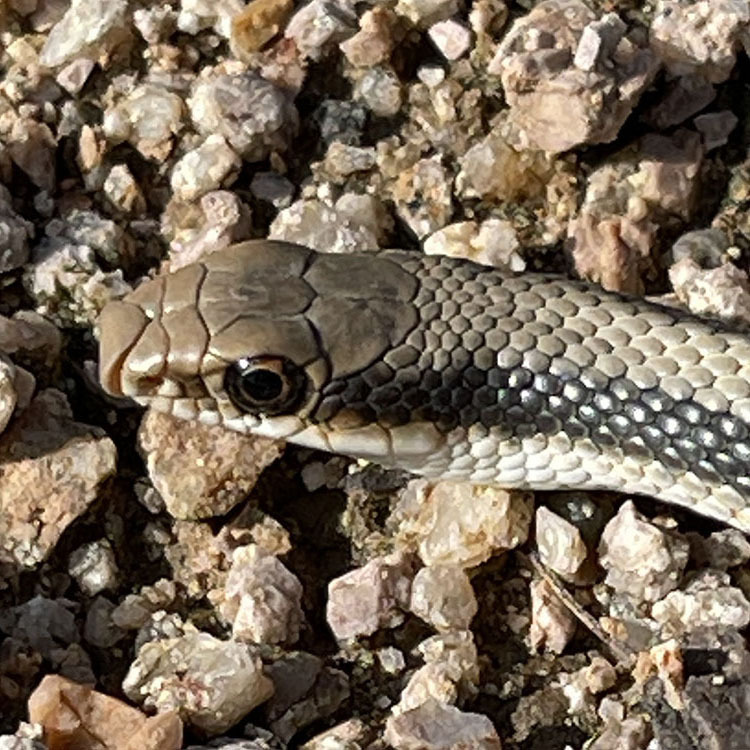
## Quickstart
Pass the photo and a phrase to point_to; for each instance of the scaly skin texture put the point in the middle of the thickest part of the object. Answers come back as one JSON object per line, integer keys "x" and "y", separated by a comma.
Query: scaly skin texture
{"x": 450, "y": 370}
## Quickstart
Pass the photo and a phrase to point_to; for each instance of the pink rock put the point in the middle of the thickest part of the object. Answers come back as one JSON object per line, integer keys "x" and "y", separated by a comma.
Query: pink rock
{"x": 436, "y": 726}
{"x": 569, "y": 77}
{"x": 700, "y": 37}
{"x": 262, "y": 598}
{"x": 368, "y": 598}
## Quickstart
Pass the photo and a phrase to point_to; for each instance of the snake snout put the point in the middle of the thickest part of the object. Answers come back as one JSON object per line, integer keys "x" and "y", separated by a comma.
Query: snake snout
{"x": 122, "y": 327}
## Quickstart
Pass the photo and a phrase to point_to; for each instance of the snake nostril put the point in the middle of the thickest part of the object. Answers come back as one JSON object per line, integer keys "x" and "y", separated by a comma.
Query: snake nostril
{"x": 166, "y": 386}
{"x": 151, "y": 385}
{"x": 142, "y": 385}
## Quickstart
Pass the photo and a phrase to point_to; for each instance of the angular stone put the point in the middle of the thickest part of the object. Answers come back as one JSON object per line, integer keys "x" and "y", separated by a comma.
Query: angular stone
{"x": 208, "y": 167}
{"x": 89, "y": 28}
{"x": 641, "y": 559}
{"x": 443, "y": 596}
{"x": 50, "y": 470}
{"x": 252, "y": 114}
{"x": 74, "y": 715}
{"x": 230, "y": 464}
{"x": 700, "y": 37}
{"x": 455, "y": 523}
{"x": 318, "y": 25}
{"x": 570, "y": 78}
{"x": 560, "y": 544}
{"x": 212, "y": 684}
{"x": 262, "y": 598}
{"x": 435, "y": 726}
{"x": 369, "y": 598}
{"x": 257, "y": 24}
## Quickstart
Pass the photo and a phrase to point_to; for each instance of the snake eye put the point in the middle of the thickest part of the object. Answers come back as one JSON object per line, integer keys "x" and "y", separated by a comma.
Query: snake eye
{"x": 264, "y": 385}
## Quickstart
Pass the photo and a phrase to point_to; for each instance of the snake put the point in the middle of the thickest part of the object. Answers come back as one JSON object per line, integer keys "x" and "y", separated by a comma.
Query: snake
{"x": 445, "y": 368}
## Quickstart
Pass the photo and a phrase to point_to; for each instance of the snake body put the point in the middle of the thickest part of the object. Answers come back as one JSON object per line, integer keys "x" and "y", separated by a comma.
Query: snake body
{"x": 447, "y": 369}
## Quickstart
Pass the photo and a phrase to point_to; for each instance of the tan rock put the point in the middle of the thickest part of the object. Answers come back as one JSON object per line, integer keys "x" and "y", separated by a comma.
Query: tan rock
{"x": 342, "y": 160}
{"x": 423, "y": 13}
{"x": 211, "y": 165}
{"x": 76, "y": 716}
{"x": 560, "y": 544}
{"x": 552, "y": 624}
{"x": 423, "y": 196}
{"x": 324, "y": 227}
{"x": 494, "y": 242}
{"x": 283, "y": 64}
{"x": 196, "y": 15}
{"x": 451, "y": 38}
{"x": 254, "y": 116}
{"x": 319, "y": 24}
{"x": 708, "y": 601}
{"x": 443, "y": 597}
{"x": 202, "y": 471}
{"x": 31, "y": 145}
{"x": 380, "y": 90}
{"x": 494, "y": 169}
{"x": 340, "y": 737}
{"x": 626, "y": 200}
{"x": 122, "y": 190}
{"x": 723, "y": 292}
{"x": 451, "y": 669}
{"x": 199, "y": 558}
{"x": 440, "y": 727}
{"x": 668, "y": 171}
{"x": 581, "y": 686}
{"x": 89, "y": 28}
{"x": 373, "y": 43}
{"x": 148, "y": 118}
{"x": 50, "y": 469}
{"x": 155, "y": 23}
{"x": 612, "y": 251}
{"x": 455, "y": 523}
{"x": 218, "y": 219}
{"x": 90, "y": 149}
{"x": 260, "y": 22}
{"x": 74, "y": 75}
{"x": 642, "y": 560}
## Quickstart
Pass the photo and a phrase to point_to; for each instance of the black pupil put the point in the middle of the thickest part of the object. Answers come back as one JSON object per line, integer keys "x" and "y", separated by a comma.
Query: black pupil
{"x": 262, "y": 385}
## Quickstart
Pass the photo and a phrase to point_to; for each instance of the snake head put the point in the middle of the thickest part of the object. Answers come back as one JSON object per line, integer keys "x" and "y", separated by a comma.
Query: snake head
{"x": 263, "y": 337}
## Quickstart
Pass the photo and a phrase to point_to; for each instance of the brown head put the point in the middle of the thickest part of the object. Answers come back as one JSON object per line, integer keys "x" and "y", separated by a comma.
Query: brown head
{"x": 252, "y": 335}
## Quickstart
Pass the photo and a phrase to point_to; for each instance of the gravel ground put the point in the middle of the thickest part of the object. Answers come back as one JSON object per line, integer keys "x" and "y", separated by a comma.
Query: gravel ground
{"x": 166, "y": 585}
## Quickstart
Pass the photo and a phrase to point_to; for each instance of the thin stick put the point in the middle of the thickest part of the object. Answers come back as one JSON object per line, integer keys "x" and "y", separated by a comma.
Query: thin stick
{"x": 623, "y": 654}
